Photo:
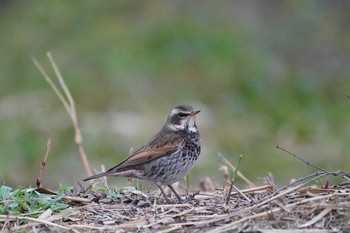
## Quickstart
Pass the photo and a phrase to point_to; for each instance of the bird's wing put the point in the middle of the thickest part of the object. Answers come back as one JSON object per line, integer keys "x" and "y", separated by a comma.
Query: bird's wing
{"x": 171, "y": 143}
{"x": 148, "y": 153}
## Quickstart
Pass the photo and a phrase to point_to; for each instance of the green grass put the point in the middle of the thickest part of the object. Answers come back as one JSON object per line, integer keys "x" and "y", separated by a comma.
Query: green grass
{"x": 27, "y": 201}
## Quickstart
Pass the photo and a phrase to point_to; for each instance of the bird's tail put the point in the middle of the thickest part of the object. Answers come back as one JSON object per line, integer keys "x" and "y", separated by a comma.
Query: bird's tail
{"x": 96, "y": 176}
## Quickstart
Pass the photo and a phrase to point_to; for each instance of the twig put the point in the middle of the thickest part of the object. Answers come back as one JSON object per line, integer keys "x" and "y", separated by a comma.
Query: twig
{"x": 259, "y": 188}
{"x": 68, "y": 103}
{"x": 55, "y": 217}
{"x": 15, "y": 218}
{"x": 76, "y": 199}
{"x": 317, "y": 217}
{"x": 254, "y": 216}
{"x": 43, "y": 163}
{"x": 86, "y": 227}
{"x": 174, "y": 228}
{"x": 317, "y": 174}
{"x": 244, "y": 210}
{"x": 139, "y": 223}
{"x": 239, "y": 191}
{"x": 174, "y": 205}
{"x": 301, "y": 159}
{"x": 184, "y": 212}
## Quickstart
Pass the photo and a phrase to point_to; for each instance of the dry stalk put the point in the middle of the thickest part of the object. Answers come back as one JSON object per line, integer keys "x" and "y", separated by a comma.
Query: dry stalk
{"x": 68, "y": 102}
{"x": 225, "y": 228}
{"x": 244, "y": 210}
{"x": 239, "y": 191}
{"x": 282, "y": 192}
{"x": 43, "y": 163}
{"x": 52, "y": 218}
{"x": 16, "y": 218}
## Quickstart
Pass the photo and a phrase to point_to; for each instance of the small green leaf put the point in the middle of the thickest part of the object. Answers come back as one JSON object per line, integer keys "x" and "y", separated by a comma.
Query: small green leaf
{"x": 115, "y": 194}
{"x": 99, "y": 189}
{"x": 14, "y": 212}
{"x": 65, "y": 187}
{"x": 58, "y": 207}
{"x": 59, "y": 196}
{"x": 5, "y": 192}
{"x": 22, "y": 201}
{"x": 23, "y": 204}
{"x": 13, "y": 205}
{"x": 19, "y": 192}
{"x": 42, "y": 200}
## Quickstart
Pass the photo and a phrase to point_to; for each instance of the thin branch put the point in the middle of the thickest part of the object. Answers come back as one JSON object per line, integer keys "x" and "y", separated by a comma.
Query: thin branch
{"x": 301, "y": 159}
{"x": 43, "y": 163}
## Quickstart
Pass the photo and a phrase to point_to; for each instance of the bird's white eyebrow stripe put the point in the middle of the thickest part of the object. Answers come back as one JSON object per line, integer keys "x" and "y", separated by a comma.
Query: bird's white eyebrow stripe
{"x": 174, "y": 111}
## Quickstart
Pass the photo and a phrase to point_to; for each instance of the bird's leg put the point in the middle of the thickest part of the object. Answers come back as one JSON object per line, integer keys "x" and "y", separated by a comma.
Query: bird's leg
{"x": 176, "y": 194}
{"x": 162, "y": 191}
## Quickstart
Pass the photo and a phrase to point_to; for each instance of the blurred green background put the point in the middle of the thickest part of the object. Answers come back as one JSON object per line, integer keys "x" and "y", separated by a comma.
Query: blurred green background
{"x": 264, "y": 73}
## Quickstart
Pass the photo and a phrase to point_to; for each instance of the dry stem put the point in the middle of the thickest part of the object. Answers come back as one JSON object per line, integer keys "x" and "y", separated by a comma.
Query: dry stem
{"x": 68, "y": 102}
{"x": 43, "y": 163}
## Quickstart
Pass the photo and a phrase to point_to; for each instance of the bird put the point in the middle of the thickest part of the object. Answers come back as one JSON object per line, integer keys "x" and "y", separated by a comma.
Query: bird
{"x": 168, "y": 156}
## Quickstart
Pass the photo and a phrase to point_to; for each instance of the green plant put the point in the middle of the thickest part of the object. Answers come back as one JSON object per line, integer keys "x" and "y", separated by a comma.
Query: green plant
{"x": 28, "y": 201}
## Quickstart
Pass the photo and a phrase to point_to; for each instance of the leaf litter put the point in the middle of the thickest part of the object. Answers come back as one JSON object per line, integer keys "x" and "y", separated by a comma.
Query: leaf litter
{"x": 294, "y": 207}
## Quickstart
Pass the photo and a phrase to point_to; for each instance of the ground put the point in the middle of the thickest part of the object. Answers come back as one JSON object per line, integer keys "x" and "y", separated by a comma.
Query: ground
{"x": 297, "y": 207}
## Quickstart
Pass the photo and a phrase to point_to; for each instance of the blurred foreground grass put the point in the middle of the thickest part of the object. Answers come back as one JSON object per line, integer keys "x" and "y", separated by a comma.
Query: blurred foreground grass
{"x": 262, "y": 73}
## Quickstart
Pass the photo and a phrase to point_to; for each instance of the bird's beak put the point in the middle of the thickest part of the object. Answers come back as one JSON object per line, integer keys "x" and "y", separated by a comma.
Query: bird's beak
{"x": 194, "y": 112}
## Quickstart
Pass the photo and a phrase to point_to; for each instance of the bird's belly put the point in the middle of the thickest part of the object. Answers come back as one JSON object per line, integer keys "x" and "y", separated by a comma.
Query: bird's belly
{"x": 169, "y": 169}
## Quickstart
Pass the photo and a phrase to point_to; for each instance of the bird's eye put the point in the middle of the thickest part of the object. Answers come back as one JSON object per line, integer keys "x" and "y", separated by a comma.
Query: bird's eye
{"x": 182, "y": 114}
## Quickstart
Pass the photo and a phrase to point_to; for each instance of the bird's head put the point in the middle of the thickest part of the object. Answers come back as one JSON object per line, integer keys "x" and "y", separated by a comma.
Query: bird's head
{"x": 182, "y": 117}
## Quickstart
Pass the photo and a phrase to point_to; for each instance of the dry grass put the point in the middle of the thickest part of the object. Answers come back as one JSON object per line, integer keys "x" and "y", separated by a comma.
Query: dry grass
{"x": 294, "y": 208}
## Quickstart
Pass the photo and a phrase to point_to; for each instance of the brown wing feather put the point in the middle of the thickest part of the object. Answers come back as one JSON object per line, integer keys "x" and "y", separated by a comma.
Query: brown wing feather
{"x": 160, "y": 145}
{"x": 149, "y": 152}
